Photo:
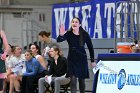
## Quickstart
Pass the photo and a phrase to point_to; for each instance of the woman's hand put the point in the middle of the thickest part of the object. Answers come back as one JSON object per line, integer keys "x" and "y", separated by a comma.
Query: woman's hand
{"x": 46, "y": 78}
{"x": 62, "y": 30}
{"x": 93, "y": 64}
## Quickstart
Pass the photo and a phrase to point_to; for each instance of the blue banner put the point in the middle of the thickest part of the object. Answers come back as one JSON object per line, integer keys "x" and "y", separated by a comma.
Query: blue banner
{"x": 97, "y": 17}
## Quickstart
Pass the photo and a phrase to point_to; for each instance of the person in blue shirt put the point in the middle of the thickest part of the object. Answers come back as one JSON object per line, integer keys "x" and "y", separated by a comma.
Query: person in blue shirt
{"x": 34, "y": 71}
{"x": 33, "y": 67}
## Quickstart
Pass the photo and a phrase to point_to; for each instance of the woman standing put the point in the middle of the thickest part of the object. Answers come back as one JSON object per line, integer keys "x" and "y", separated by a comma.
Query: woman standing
{"x": 3, "y": 42}
{"x": 45, "y": 37}
{"x": 77, "y": 37}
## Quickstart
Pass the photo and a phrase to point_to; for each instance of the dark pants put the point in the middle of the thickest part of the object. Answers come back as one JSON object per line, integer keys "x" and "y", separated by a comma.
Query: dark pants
{"x": 28, "y": 82}
{"x": 73, "y": 85}
{"x": 1, "y": 84}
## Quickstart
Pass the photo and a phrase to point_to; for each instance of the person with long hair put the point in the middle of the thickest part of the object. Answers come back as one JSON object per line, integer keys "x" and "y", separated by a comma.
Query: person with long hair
{"x": 37, "y": 54}
{"x": 58, "y": 69}
{"x": 77, "y": 37}
{"x": 3, "y": 53}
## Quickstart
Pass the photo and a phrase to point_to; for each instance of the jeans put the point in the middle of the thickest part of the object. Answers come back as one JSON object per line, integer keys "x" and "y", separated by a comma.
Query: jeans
{"x": 41, "y": 85}
{"x": 58, "y": 81}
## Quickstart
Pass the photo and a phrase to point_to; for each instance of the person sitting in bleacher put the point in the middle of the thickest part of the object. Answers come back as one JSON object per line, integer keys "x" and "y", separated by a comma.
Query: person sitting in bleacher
{"x": 135, "y": 48}
{"x": 37, "y": 54}
{"x": 8, "y": 72}
{"x": 34, "y": 71}
{"x": 58, "y": 69}
{"x": 15, "y": 62}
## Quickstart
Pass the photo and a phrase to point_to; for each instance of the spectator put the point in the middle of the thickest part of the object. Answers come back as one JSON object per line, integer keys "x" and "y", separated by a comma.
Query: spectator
{"x": 37, "y": 54}
{"x": 8, "y": 72}
{"x": 58, "y": 69}
{"x": 34, "y": 71}
{"x": 133, "y": 48}
{"x": 18, "y": 60}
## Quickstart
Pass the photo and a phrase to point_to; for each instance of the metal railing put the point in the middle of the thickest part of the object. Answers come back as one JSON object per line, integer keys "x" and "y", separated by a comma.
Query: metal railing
{"x": 30, "y": 29}
{"x": 127, "y": 21}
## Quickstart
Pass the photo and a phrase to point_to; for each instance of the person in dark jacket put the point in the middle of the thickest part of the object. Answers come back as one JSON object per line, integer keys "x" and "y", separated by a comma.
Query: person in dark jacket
{"x": 58, "y": 69}
{"x": 77, "y": 37}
